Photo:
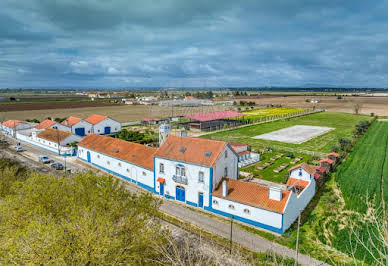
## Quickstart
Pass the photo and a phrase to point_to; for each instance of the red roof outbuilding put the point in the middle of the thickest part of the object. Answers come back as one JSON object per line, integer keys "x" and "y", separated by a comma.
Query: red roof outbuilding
{"x": 203, "y": 117}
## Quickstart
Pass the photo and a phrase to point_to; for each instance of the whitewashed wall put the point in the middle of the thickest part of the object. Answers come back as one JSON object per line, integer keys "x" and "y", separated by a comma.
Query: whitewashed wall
{"x": 117, "y": 166}
{"x": 193, "y": 187}
{"x": 61, "y": 127}
{"x": 305, "y": 176}
{"x": 82, "y": 124}
{"x": 297, "y": 203}
{"x": 256, "y": 214}
{"x": 45, "y": 144}
{"x": 99, "y": 128}
{"x": 231, "y": 162}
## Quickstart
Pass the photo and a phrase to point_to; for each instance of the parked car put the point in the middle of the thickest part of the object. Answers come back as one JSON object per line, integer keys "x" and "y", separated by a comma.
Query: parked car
{"x": 18, "y": 148}
{"x": 57, "y": 166}
{"x": 4, "y": 142}
{"x": 44, "y": 159}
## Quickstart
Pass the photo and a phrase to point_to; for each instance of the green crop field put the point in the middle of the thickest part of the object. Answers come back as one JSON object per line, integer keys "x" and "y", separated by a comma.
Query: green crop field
{"x": 342, "y": 123}
{"x": 359, "y": 176}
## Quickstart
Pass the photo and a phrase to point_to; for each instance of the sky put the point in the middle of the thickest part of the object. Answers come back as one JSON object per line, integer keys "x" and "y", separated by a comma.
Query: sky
{"x": 201, "y": 43}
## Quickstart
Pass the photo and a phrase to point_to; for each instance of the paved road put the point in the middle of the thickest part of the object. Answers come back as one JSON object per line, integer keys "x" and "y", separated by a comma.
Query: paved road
{"x": 211, "y": 224}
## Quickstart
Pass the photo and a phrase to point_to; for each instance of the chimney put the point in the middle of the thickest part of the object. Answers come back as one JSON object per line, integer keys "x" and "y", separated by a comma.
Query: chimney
{"x": 275, "y": 193}
{"x": 66, "y": 122}
{"x": 224, "y": 189}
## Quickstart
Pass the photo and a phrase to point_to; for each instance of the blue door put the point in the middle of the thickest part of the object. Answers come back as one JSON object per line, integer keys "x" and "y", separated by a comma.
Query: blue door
{"x": 180, "y": 194}
{"x": 107, "y": 130}
{"x": 200, "y": 200}
{"x": 80, "y": 131}
{"x": 88, "y": 154}
{"x": 161, "y": 189}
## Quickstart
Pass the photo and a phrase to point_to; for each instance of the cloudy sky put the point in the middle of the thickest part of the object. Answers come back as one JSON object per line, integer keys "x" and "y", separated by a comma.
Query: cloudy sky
{"x": 134, "y": 43}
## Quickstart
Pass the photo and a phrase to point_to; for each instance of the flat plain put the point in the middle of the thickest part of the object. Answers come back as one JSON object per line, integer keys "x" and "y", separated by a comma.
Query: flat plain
{"x": 342, "y": 123}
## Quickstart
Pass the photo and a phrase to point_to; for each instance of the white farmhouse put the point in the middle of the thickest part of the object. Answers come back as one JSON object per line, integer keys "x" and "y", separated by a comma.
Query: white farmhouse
{"x": 51, "y": 124}
{"x": 12, "y": 126}
{"x": 189, "y": 169}
{"x": 103, "y": 125}
{"x": 130, "y": 161}
{"x": 77, "y": 126}
{"x": 202, "y": 173}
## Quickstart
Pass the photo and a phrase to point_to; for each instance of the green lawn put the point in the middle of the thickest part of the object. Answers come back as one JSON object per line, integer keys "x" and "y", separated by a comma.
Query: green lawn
{"x": 268, "y": 173}
{"x": 342, "y": 123}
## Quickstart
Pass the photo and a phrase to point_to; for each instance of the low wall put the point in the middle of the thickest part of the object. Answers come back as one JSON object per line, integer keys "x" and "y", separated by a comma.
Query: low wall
{"x": 64, "y": 151}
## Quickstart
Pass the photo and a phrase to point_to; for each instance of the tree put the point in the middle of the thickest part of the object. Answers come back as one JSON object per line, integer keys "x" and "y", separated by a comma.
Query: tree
{"x": 85, "y": 220}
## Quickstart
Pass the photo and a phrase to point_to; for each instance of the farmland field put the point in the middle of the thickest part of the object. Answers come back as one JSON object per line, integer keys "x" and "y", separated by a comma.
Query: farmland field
{"x": 342, "y": 123}
{"x": 121, "y": 113}
{"x": 266, "y": 112}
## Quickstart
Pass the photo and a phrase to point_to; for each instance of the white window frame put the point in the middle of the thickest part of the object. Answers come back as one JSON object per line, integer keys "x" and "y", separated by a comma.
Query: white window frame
{"x": 180, "y": 171}
{"x": 201, "y": 176}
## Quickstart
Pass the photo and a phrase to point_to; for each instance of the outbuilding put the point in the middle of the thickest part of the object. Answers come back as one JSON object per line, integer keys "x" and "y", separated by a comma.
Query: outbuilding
{"x": 103, "y": 125}
{"x": 77, "y": 126}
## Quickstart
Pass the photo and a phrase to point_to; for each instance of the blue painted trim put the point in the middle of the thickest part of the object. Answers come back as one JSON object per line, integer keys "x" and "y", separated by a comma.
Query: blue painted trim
{"x": 56, "y": 153}
{"x": 210, "y": 188}
{"x": 244, "y": 220}
{"x": 119, "y": 175}
{"x": 192, "y": 203}
{"x": 155, "y": 176}
{"x": 169, "y": 197}
{"x": 282, "y": 223}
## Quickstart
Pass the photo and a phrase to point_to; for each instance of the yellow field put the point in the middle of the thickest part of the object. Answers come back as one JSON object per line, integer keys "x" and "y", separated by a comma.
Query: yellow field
{"x": 274, "y": 111}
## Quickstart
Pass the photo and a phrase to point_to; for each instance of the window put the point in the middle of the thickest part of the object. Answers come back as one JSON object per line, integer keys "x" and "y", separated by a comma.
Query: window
{"x": 226, "y": 153}
{"x": 98, "y": 156}
{"x": 108, "y": 162}
{"x": 200, "y": 177}
{"x": 246, "y": 211}
{"x": 144, "y": 173}
{"x": 127, "y": 170}
{"x": 215, "y": 202}
{"x": 115, "y": 128}
{"x": 98, "y": 130}
{"x": 88, "y": 131}
{"x": 161, "y": 168}
{"x": 231, "y": 206}
{"x": 180, "y": 171}
{"x": 300, "y": 171}
{"x": 119, "y": 164}
{"x": 226, "y": 171}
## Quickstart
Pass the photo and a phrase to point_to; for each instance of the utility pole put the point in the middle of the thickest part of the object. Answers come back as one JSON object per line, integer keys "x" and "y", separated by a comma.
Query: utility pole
{"x": 297, "y": 241}
{"x": 231, "y": 234}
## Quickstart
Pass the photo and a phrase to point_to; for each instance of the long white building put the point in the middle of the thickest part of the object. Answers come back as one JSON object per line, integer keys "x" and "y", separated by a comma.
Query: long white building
{"x": 202, "y": 173}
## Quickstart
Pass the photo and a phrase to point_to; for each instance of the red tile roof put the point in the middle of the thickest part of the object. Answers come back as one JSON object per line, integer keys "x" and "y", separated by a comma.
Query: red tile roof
{"x": 127, "y": 151}
{"x": 95, "y": 119}
{"x": 45, "y": 124}
{"x": 70, "y": 121}
{"x": 236, "y": 146}
{"x": 320, "y": 169}
{"x": 243, "y": 153}
{"x": 326, "y": 160}
{"x": 252, "y": 194}
{"x": 13, "y": 123}
{"x": 333, "y": 154}
{"x": 54, "y": 135}
{"x": 147, "y": 119}
{"x": 192, "y": 150}
{"x": 308, "y": 168}
{"x": 297, "y": 182}
{"x": 317, "y": 176}
{"x": 213, "y": 116}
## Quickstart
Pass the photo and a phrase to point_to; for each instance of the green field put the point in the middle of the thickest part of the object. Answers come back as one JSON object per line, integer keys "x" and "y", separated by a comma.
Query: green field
{"x": 268, "y": 173}
{"x": 342, "y": 123}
